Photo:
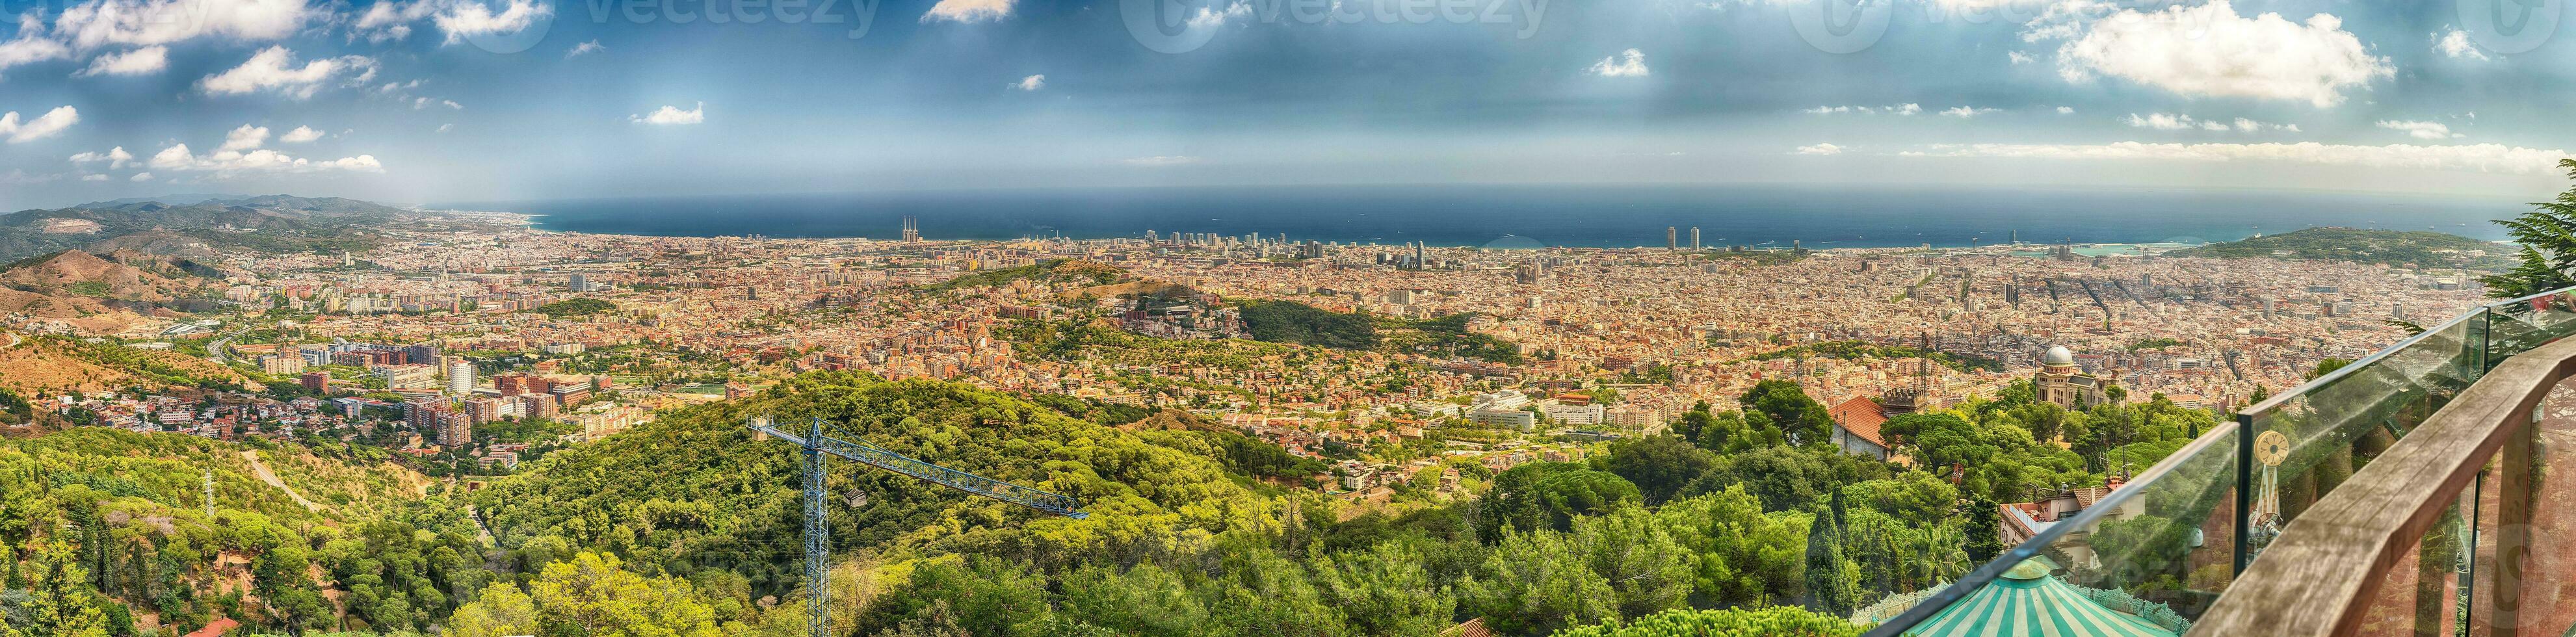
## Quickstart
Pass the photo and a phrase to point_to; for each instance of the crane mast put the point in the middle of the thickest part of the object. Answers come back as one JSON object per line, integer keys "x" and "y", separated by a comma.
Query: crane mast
{"x": 818, "y": 546}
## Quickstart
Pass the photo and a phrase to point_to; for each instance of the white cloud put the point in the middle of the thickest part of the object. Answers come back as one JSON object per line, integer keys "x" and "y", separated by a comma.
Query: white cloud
{"x": 1629, "y": 63}
{"x": 2455, "y": 44}
{"x": 150, "y": 59}
{"x": 1897, "y": 109}
{"x": 389, "y": 20}
{"x": 2420, "y": 130}
{"x": 443, "y": 128}
{"x": 1206, "y": 17}
{"x": 300, "y": 135}
{"x": 30, "y": 46}
{"x": 1161, "y": 160}
{"x": 2066, "y": 110}
{"x": 466, "y": 18}
{"x": 226, "y": 163}
{"x": 116, "y": 158}
{"x": 47, "y": 125}
{"x": 141, "y": 176}
{"x": 2468, "y": 157}
{"x": 419, "y": 103}
{"x": 584, "y": 48}
{"x": 102, "y": 23}
{"x": 672, "y": 115}
{"x": 1820, "y": 149}
{"x": 241, "y": 154}
{"x": 2018, "y": 57}
{"x": 245, "y": 138}
{"x": 1030, "y": 83}
{"x": 2173, "y": 121}
{"x": 969, "y": 11}
{"x": 1965, "y": 112}
{"x": 2209, "y": 50}
{"x": 93, "y": 177}
{"x": 273, "y": 69}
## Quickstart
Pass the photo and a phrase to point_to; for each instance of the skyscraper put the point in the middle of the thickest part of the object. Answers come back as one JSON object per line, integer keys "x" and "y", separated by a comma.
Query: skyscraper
{"x": 460, "y": 378}
{"x": 1694, "y": 238}
{"x": 1671, "y": 241}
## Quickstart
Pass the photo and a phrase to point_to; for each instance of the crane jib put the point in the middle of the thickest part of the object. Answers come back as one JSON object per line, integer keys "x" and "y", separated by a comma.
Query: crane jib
{"x": 1048, "y": 502}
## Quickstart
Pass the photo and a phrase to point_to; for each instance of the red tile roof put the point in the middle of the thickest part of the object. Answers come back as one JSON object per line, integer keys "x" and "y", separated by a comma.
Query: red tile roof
{"x": 1861, "y": 417}
{"x": 1473, "y": 628}
{"x": 216, "y": 627}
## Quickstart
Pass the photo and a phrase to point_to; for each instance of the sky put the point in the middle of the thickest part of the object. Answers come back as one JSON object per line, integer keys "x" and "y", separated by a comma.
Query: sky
{"x": 410, "y": 101}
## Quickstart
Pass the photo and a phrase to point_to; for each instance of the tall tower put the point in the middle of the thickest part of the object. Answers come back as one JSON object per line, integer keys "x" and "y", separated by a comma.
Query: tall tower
{"x": 1694, "y": 238}
{"x": 1670, "y": 241}
{"x": 460, "y": 379}
{"x": 911, "y": 229}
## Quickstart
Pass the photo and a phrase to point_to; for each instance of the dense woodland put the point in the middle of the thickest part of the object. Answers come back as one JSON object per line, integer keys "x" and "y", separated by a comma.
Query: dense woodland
{"x": 690, "y": 526}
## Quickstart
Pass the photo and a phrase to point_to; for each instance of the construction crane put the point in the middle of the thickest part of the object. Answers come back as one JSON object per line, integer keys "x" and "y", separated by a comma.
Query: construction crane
{"x": 818, "y": 546}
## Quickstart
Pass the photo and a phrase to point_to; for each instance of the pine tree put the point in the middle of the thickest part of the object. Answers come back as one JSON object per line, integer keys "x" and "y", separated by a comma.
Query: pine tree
{"x": 1828, "y": 591}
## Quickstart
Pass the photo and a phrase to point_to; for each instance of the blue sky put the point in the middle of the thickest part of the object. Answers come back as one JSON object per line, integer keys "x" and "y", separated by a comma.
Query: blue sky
{"x": 452, "y": 100}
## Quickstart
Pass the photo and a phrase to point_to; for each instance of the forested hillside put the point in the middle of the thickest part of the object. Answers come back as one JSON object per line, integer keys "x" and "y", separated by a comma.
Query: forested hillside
{"x": 109, "y": 536}
{"x": 691, "y": 526}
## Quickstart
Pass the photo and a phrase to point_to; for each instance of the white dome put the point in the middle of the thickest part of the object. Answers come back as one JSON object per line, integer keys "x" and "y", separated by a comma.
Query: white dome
{"x": 2058, "y": 355}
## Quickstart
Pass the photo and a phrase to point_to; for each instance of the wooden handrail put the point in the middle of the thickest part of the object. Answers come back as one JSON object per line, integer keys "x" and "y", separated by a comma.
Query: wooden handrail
{"x": 2319, "y": 577}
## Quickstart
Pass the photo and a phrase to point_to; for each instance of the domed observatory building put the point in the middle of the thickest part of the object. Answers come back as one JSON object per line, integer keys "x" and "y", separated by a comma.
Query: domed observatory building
{"x": 2061, "y": 381}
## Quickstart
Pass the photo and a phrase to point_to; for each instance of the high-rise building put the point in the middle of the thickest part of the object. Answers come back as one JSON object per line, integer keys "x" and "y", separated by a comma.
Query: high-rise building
{"x": 1671, "y": 240}
{"x": 317, "y": 382}
{"x": 455, "y": 429}
{"x": 282, "y": 365}
{"x": 578, "y": 283}
{"x": 460, "y": 378}
{"x": 1694, "y": 238}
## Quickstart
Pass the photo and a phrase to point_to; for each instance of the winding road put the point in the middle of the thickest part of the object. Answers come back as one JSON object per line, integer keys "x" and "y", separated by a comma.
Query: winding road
{"x": 270, "y": 477}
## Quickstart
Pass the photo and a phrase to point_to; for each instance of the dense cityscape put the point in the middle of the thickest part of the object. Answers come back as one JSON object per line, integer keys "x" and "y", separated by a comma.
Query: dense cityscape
{"x": 1381, "y": 382}
{"x": 1286, "y": 318}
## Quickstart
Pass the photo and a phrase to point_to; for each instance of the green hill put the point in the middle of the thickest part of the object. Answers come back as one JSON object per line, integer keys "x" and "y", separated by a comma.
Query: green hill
{"x": 693, "y": 490}
{"x": 110, "y": 526}
{"x": 1444, "y": 337}
{"x": 2385, "y": 247}
{"x": 1052, "y": 271}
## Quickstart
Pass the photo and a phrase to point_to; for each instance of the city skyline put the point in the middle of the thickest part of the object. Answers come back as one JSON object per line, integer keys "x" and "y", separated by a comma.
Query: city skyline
{"x": 445, "y": 100}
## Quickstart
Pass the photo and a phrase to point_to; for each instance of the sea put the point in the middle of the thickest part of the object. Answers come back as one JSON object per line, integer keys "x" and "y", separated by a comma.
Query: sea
{"x": 1530, "y": 216}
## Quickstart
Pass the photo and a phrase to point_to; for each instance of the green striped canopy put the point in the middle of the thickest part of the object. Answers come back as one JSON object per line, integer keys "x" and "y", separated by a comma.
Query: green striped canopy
{"x": 2027, "y": 602}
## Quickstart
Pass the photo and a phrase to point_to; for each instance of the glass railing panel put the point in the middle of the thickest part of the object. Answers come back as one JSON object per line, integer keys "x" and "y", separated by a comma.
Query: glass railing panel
{"x": 2151, "y": 554}
{"x": 2518, "y": 325}
{"x": 2427, "y": 592}
{"x": 2309, "y": 442}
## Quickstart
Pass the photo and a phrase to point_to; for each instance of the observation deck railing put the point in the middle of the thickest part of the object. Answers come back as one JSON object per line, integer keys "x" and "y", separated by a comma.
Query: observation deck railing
{"x": 2288, "y": 522}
